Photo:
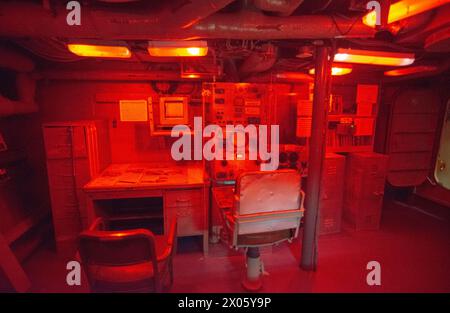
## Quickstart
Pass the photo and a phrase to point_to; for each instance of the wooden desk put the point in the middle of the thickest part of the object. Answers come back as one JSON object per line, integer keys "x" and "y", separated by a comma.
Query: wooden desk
{"x": 183, "y": 191}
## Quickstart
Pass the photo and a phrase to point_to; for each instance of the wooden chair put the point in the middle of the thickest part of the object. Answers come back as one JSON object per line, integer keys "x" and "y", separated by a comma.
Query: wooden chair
{"x": 127, "y": 260}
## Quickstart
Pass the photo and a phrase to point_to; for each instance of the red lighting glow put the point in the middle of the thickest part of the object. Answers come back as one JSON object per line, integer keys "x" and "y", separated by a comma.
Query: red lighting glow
{"x": 373, "y": 57}
{"x": 411, "y": 70}
{"x": 404, "y": 9}
{"x": 192, "y": 76}
{"x": 335, "y": 71}
{"x": 101, "y": 51}
{"x": 177, "y": 48}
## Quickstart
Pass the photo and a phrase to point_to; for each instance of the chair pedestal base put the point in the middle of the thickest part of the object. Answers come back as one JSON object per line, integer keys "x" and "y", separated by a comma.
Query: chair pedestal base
{"x": 253, "y": 280}
{"x": 252, "y": 285}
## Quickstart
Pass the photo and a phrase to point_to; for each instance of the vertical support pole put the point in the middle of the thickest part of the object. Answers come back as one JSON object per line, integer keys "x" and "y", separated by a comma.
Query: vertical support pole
{"x": 322, "y": 83}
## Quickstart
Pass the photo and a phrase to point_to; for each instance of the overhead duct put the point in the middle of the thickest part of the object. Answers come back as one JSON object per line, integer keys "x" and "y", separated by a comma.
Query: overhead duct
{"x": 191, "y": 12}
{"x": 281, "y": 7}
{"x": 144, "y": 26}
{"x": 439, "y": 19}
{"x": 26, "y": 85}
{"x": 260, "y": 61}
{"x": 252, "y": 25}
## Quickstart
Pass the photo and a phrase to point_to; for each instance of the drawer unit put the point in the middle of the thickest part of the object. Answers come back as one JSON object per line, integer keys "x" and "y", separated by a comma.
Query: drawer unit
{"x": 183, "y": 198}
{"x": 72, "y": 160}
{"x": 187, "y": 206}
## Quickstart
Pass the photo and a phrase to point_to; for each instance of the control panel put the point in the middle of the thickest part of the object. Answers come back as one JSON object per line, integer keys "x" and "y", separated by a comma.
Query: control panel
{"x": 236, "y": 103}
{"x": 228, "y": 170}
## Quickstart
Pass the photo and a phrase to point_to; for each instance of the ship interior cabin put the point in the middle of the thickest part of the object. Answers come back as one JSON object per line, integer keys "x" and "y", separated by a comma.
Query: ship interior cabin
{"x": 224, "y": 146}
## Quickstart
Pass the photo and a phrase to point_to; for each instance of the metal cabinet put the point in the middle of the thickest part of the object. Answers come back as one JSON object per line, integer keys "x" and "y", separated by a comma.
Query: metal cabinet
{"x": 364, "y": 189}
{"x": 72, "y": 160}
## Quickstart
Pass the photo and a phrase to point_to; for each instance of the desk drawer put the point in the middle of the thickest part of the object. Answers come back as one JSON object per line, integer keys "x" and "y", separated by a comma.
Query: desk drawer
{"x": 183, "y": 198}
{"x": 191, "y": 220}
{"x": 187, "y": 206}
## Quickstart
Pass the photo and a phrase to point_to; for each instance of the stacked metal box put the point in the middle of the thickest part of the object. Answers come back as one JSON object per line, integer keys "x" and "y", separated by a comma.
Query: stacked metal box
{"x": 364, "y": 189}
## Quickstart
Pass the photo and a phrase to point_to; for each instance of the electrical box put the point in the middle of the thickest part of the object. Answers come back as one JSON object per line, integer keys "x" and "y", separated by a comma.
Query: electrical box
{"x": 236, "y": 103}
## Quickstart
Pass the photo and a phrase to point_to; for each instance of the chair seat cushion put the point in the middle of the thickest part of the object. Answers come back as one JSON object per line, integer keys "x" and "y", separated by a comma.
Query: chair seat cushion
{"x": 132, "y": 272}
{"x": 122, "y": 274}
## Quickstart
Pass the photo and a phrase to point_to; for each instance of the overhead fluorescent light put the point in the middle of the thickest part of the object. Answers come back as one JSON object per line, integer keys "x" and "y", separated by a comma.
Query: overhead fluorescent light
{"x": 294, "y": 76}
{"x": 335, "y": 71}
{"x": 100, "y": 51}
{"x": 374, "y": 57}
{"x": 191, "y": 76}
{"x": 404, "y": 9}
{"x": 411, "y": 70}
{"x": 179, "y": 48}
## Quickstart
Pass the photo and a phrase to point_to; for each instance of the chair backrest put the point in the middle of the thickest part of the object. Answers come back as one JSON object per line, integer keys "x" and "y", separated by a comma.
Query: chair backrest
{"x": 268, "y": 191}
{"x": 117, "y": 248}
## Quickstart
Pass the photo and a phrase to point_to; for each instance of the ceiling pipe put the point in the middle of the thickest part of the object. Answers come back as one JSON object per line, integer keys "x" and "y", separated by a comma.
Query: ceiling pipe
{"x": 104, "y": 24}
{"x": 191, "y": 12}
{"x": 253, "y": 25}
{"x": 280, "y": 7}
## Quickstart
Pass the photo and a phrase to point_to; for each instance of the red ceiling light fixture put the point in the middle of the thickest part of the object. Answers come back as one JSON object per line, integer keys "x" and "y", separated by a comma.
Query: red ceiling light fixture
{"x": 404, "y": 9}
{"x": 411, "y": 70}
{"x": 373, "y": 57}
{"x": 178, "y": 48}
{"x": 100, "y": 50}
{"x": 335, "y": 71}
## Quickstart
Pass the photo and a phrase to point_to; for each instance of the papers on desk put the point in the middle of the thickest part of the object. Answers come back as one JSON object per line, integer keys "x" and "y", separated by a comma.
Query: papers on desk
{"x": 143, "y": 175}
{"x": 125, "y": 175}
{"x": 130, "y": 177}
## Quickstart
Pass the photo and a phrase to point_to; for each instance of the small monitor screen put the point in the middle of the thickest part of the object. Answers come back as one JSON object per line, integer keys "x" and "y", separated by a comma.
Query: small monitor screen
{"x": 174, "y": 109}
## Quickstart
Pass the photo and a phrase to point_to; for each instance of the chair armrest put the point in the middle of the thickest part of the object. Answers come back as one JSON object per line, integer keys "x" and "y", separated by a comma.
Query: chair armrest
{"x": 302, "y": 201}
{"x": 171, "y": 242}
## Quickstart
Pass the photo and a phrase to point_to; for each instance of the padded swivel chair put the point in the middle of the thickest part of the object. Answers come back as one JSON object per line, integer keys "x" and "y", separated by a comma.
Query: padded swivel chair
{"x": 128, "y": 260}
{"x": 267, "y": 210}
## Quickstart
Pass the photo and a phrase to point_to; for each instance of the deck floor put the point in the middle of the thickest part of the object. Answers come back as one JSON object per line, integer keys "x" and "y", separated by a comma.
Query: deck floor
{"x": 412, "y": 246}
